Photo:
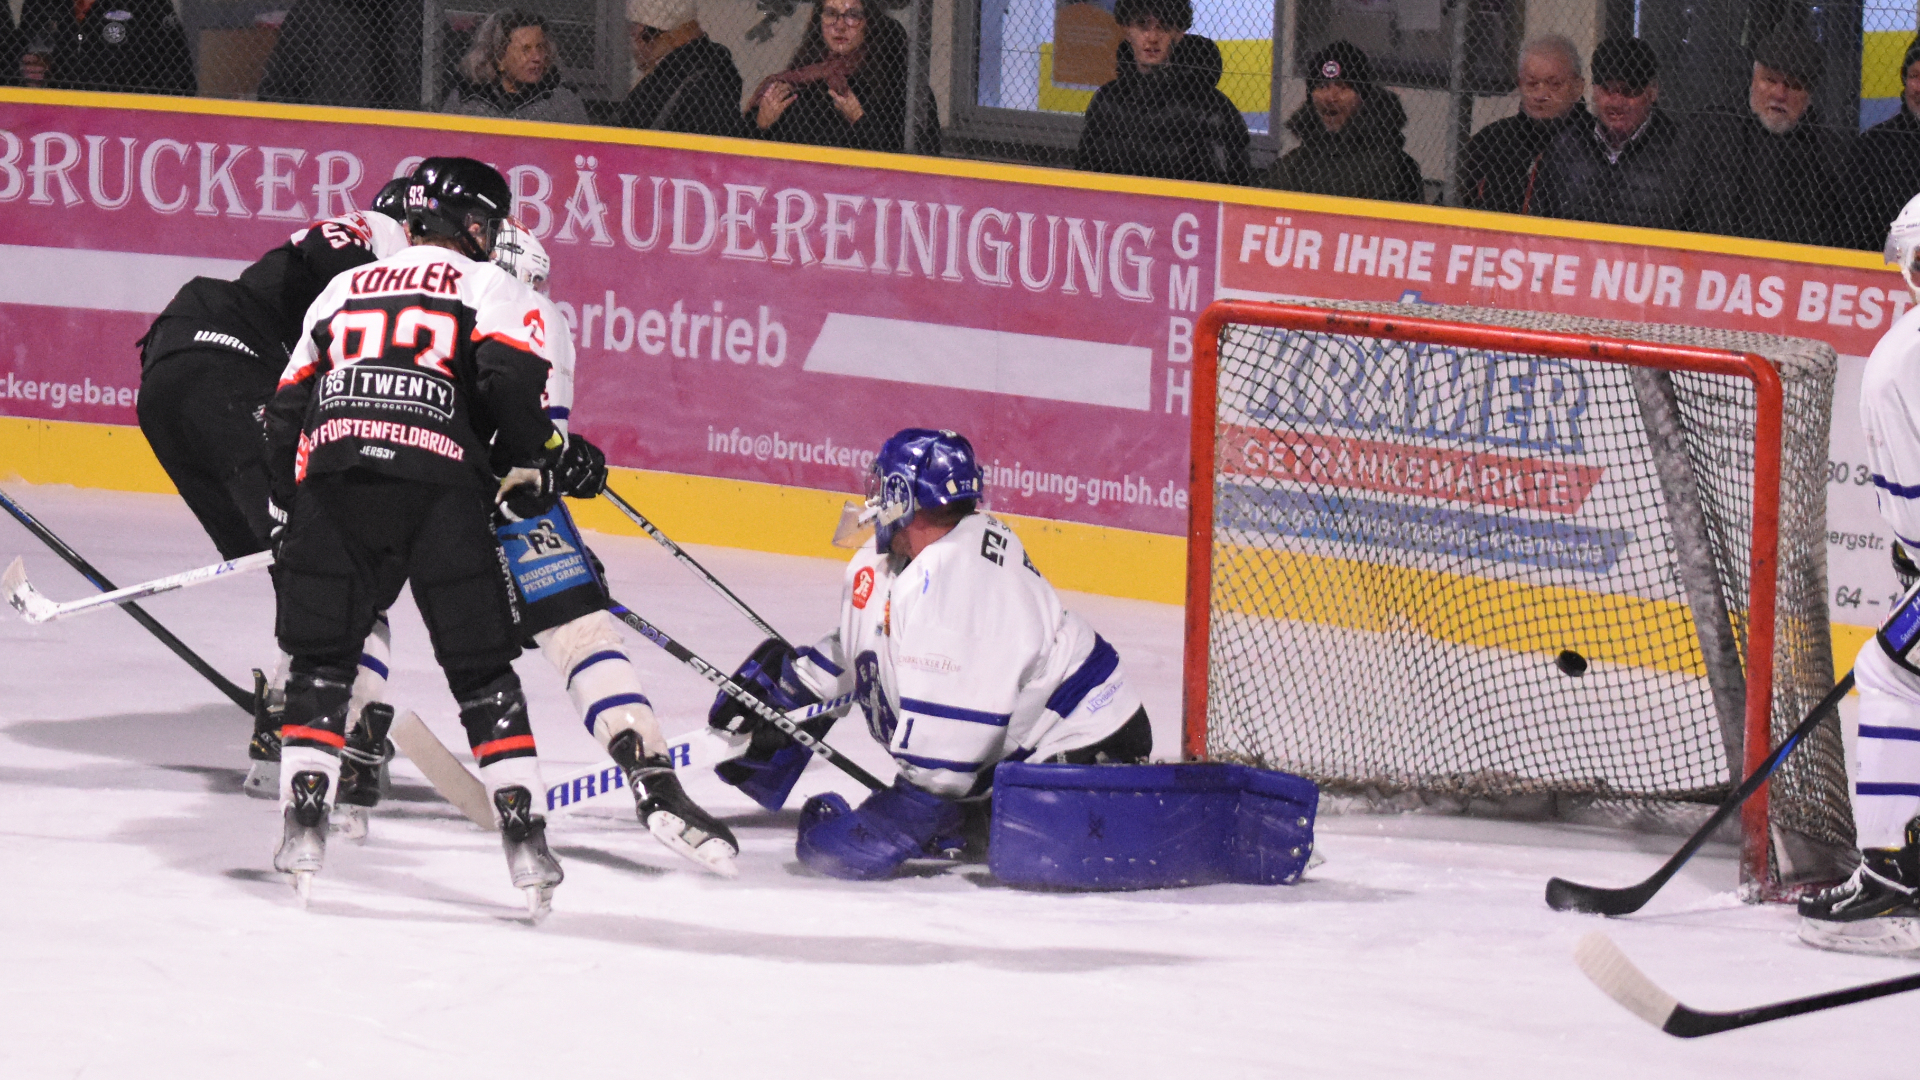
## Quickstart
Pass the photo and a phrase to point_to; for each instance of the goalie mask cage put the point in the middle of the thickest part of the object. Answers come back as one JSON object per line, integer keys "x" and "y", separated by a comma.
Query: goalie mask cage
{"x": 1516, "y": 557}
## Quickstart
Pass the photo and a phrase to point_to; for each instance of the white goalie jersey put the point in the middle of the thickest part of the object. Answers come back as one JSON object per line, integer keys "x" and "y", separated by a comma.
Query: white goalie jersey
{"x": 965, "y": 658}
{"x": 1890, "y": 415}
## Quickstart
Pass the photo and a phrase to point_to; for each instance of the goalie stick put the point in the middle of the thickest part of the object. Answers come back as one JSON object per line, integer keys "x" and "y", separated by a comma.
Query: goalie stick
{"x": 688, "y": 561}
{"x": 1610, "y": 970}
{"x": 136, "y": 612}
{"x": 1564, "y": 895}
{"x": 755, "y": 705}
{"x": 36, "y": 608}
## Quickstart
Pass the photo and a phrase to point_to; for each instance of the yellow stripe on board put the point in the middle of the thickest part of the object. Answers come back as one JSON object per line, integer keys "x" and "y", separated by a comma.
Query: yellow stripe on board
{"x": 1460, "y": 608}
{"x": 1880, "y": 54}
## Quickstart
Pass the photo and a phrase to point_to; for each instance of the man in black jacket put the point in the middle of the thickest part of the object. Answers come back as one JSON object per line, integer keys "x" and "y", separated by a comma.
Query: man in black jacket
{"x": 1632, "y": 166}
{"x": 1771, "y": 171}
{"x": 1352, "y": 134}
{"x": 1884, "y": 169}
{"x": 1163, "y": 114}
{"x": 1496, "y": 172}
{"x": 132, "y": 45}
{"x": 690, "y": 83}
{"x": 359, "y": 53}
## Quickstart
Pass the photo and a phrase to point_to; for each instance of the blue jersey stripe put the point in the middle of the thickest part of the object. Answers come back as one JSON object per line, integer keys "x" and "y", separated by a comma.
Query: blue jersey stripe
{"x": 1875, "y": 731}
{"x": 599, "y": 657}
{"x": 1905, "y": 491}
{"x": 1864, "y": 788}
{"x": 556, "y": 412}
{"x": 612, "y": 701}
{"x": 373, "y": 665}
{"x": 1097, "y": 668}
{"x": 808, "y": 652}
{"x": 941, "y": 763}
{"x": 953, "y": 712}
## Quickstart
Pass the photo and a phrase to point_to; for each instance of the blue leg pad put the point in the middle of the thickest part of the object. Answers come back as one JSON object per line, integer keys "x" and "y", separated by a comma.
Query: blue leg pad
{"x": 1149, "y": 826}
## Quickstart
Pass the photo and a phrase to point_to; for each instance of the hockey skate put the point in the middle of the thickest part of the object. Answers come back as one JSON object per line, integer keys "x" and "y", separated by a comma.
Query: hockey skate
{"x": 523, "y": 834}
{"x": 363, "y": 770}
{"x": 303, "y": 837}
{"x": 263, "y": 750}
{"x": 664, "y": 808}
{"x": 1876, "y": 911}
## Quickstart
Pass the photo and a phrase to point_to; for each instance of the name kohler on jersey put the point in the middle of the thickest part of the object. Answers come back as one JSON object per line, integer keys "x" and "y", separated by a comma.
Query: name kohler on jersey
{"x": 384, "y": 387}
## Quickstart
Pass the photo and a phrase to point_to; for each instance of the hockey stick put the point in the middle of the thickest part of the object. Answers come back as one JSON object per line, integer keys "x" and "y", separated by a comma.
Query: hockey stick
{"x": 72, "y": 558}
{"x": 38, "y": 609}
{"x": 1612, "y": 972}
{"x": 687, "y": 560}
{"x": 732, "y": 689}
{"x": 1564, "y": 895}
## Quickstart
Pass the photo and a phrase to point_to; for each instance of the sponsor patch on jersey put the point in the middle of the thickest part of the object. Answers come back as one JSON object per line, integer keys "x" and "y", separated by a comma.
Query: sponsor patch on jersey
{"x": 932, "y": 662}
{"x": 862, "y": 587}
{"x": 415, "y": 391}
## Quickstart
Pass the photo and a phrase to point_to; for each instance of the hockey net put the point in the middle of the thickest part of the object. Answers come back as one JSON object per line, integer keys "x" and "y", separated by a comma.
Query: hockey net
{"x": 1475, "y": 557}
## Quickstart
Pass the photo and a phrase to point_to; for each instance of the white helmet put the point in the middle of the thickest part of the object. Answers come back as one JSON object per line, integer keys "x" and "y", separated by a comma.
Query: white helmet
{"x": 521, "y": 254}
{"x": 1903, "y": 242}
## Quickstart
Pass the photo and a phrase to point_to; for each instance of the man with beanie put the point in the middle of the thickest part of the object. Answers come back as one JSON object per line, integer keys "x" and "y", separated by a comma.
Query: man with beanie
{"x": 1771, "y": 170}
{"x": 1631, "y": 166}
{"x": 1496, "y": 172}
{"x": 1351, "y": 132}
{"x": 1883, "y": 172}
{"x": 1163, "y": 114}
{"x": 688, "y": 82}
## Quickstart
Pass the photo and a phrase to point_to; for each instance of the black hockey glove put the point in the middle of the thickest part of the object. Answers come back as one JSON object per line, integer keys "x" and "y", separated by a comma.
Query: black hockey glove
{"x": 767, "y": 675}
{"x": 582, "y": 472}
{"x": 1903, "y": 567}
{"x": 527, "y": 491}
{"x": 277, "y": 534}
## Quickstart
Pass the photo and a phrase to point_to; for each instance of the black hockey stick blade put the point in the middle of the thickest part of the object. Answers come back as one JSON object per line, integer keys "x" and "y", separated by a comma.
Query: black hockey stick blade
{"x": 72, "y": 558}
{"x": 1610, "y": 970}
{"x": 1564, "y": 895}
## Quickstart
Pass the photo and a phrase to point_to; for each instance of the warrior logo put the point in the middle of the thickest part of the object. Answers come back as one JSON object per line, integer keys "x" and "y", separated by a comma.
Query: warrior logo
{"x": 544, "y": 542}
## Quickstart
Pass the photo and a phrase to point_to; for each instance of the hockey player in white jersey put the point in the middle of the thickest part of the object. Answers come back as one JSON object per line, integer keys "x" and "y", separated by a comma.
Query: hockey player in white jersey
{"x": 961, "y": 657}
{"x": 1877, "y": 910}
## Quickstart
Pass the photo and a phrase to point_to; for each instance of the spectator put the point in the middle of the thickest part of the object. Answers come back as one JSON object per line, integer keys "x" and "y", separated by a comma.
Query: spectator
{"x": 1350, "y": 132}
{"x": 510, "y": 71}
{"x": 1632, "y": 167}
{"x": 688, "y": 81}
{"x": 1771, "y": 170}
{"x": 360, "y": 53}
{"x": 1884, "y": 169}
{"x": 1163, "y": 114}
{"x": 135, "y": 45}
{"x": 845, "y": 86}
{"x": 1496, "y": 171}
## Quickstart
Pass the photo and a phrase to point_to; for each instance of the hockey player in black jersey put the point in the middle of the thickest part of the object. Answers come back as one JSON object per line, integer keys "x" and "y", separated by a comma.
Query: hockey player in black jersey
{"x": 408, "y": 373}
{"x": 208, "y": 365}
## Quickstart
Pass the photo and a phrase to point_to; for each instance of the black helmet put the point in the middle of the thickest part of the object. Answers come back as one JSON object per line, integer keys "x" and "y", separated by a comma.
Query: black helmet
{"x": 447, "y": 196}
{"x": 392, "y": 199}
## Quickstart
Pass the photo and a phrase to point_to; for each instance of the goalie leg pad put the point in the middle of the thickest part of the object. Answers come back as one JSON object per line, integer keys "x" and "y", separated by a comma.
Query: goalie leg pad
{"x": 893, "y": 825}
{"x": 1149, "y": 826}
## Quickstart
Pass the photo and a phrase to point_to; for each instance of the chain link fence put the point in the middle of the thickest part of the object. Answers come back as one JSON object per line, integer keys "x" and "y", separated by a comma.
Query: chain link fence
{"x": 1773, "y": 119}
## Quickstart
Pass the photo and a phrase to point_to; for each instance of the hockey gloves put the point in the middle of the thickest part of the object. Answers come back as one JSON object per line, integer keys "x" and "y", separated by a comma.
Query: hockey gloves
{"x": 277, "y": 534}
{"x": 892, "y": 826}
{"x": 582, "y": 472}
{"x": 527, "y": 491}
{"x": 768, "y": 675}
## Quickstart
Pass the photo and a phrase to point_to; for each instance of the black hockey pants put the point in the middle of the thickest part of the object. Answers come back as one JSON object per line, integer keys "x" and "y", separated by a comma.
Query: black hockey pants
{"x": 199, "y": 411}
{"x": 354, "y": 538}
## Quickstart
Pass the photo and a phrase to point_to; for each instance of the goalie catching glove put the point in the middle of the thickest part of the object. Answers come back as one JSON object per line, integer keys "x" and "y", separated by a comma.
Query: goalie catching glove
{"x": 773, "y": 762}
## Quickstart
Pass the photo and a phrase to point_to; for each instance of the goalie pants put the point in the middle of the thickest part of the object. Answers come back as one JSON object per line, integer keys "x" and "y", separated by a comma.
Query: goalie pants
{"x": 354, "y": 538}
{"x": 199, "y": 409}
{"x": 1886, "y": 791}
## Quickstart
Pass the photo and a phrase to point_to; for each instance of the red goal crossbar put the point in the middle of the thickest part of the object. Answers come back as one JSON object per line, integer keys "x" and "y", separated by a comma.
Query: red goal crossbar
{"x": 1299, "y": 317}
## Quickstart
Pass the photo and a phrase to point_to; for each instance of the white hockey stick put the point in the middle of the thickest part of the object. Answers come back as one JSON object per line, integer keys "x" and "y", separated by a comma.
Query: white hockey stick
{"x": 38, "y": 609}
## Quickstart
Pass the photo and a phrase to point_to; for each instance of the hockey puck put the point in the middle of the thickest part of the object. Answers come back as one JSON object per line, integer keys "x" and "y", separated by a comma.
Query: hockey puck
{"x": 1571, "y": 663}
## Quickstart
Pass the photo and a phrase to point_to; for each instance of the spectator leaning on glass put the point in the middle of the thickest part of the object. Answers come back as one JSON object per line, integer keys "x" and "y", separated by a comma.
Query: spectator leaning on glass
{"x": 688, "y": 81}
{"x": 1163, "y": 114}
{"x": 1496, "y": 171}
{"x": 1771, "y": 171}
{"x": 135, "y": 45}
{"x": 361, "y": 53}
{"x": 510, "y": 72}
{"x": 1632, "y": 166}
{"x": 1884, "y": 169}
{"x": 1351, "y": 134}
{"x": 845, "y": 86}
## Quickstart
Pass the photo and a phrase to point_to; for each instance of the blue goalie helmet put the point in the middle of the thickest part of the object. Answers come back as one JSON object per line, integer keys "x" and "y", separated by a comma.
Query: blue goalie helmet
{"x": 919, "y": 467}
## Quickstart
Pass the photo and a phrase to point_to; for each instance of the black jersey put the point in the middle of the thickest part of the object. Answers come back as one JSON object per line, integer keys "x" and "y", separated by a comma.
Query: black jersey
{"x": 258, "y": 314}
{"x": 410, "y": 367}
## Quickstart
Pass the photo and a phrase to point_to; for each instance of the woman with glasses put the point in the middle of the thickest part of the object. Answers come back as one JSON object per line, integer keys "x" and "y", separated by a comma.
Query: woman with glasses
{"x": 846, "y": 86}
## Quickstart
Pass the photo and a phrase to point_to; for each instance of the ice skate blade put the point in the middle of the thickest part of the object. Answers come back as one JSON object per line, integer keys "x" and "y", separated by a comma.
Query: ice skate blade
{"x": 303, "y": 887}
{"x": 713, "y": 854}
{"x": 349, "y": 822}
{"x": 539, "y": 902}
{"x": 263, "y": 780}
{"x": 1868, "y": 937}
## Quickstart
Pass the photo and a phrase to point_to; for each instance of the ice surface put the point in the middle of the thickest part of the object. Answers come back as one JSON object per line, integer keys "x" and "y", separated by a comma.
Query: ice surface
{"x": 144, "y": 934}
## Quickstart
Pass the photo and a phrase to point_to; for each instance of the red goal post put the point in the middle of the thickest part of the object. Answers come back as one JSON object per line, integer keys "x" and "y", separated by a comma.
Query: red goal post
{"x": 1318, "y": 561}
